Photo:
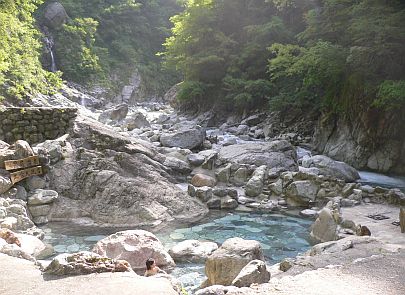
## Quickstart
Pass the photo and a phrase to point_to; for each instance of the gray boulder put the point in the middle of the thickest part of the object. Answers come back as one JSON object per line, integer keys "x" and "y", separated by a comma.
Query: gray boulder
{"x": 55, "y": 15}
{"x": 276, "y": 155}
{"x": 124, "y": 183}
{"x": 330, "y": 167}
{"x": 325, "y": 227}
{"x": 134, "y": 246}
{"x": 136, "y": 120}
{"x": 301, "y": 192}
{"x": 254, "y": 186}
{"x": 192, "y": 251}
{"x": 41, "y": 197}
{"x": 224, "y": 264}
{"x": 116, "y": 114}
{"x": 187, "y": 139}
{"x": 255, "y": 272}
{"x": 84, "y": 263}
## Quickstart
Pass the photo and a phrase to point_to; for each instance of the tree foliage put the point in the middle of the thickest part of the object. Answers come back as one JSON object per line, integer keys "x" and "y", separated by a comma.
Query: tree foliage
{"x": 21, "y": 74}
{"x": 108, "y": 39}
{"x": 336, "y": 54}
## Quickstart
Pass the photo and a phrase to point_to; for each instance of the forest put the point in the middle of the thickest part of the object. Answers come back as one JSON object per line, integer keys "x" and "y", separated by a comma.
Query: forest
{"x": 338, "y": 55}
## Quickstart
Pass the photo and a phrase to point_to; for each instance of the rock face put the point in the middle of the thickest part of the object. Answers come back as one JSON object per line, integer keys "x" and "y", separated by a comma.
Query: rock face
{"x": 255, "y": 272}
{"x": 134, "y": 246}
{"x": 373, "y": 140}
{"x": 275, "y": 155}
{"x": 224, "y": 264}
{"x": 329, "y": 167}
{"x": 124, "y": 182}
{"x": 84, "y": 263}
{"x": 186, "y": 139}
{"x": 192, "y": 251}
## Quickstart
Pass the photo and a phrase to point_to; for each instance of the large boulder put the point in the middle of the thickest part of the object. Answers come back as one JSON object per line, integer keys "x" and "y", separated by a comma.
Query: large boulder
{"x": 55, "y": 15}
{"x": 325, "y": 227}
{"x": 224, "y": 264}
{"x": 119, "y": 181}
{"x": 192, "y": 251}
{"x": 276, "y": 155}
{"x": 134, "y": 246}
{"x": 200, "y": 180}
{"x": 255, "y": 272}
{"x": 84, "y": 263}
{"x": 330, "y": 167}
{"x": 41, "y": 197}
{"x": 254, "y": 186}
{"x": 187, "y": 139}
{"x": 301, "y": 192}
{"x": 116, "y": 114}
{"x": 34, "y": 246}
{"x": 136, "y": 120}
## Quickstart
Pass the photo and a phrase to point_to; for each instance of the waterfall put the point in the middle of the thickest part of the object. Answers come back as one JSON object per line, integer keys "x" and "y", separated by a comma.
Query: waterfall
{"x": 49, "y": 48}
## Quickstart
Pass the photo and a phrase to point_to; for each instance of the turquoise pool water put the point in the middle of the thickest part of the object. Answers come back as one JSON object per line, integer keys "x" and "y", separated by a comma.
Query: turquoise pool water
{"x": 280, "y": 236}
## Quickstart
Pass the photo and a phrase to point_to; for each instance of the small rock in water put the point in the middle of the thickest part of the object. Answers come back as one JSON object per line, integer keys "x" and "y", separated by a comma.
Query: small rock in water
{"x": 176, "y": 236}
{"x": 309, "y": 213}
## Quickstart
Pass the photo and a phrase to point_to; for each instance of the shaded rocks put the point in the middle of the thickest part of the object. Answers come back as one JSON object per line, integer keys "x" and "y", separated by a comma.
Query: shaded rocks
{"x": 330, "y": 167}
{"x": 255, "y": 272}
{"x": 224, "y": 264}
{"x": 402, "y": 219}
{"x": 187, "y": 139}
{"x": 192, "y": 251}
{"x": 84, "y": 263}
{"x": 134, "y": 246}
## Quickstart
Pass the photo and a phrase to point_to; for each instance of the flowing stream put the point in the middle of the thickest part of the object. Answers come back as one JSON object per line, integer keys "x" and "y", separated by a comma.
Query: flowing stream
{"x": 280, "y": 236}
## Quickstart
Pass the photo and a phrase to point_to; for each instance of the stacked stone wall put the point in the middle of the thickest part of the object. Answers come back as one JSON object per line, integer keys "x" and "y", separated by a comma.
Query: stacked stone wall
{"x": 35, "y": 124}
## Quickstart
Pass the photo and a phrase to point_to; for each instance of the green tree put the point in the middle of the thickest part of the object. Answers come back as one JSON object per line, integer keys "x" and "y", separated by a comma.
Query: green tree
{"x": 21, "y": 74}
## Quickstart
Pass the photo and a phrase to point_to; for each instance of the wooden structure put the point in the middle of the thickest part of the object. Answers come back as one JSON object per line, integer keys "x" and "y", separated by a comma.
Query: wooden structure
{"x": 24, "y": 168}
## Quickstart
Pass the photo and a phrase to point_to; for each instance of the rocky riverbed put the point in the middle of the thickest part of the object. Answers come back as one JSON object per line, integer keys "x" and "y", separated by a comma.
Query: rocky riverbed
{"x": 147, "y": 167}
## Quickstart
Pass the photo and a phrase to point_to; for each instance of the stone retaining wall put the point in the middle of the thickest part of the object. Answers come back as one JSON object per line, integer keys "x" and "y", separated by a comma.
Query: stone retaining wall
{"x": 35, "y": 124}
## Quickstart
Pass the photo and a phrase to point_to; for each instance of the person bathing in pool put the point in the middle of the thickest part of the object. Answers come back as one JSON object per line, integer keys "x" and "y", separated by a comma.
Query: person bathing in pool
{"x": 152, "y": 268}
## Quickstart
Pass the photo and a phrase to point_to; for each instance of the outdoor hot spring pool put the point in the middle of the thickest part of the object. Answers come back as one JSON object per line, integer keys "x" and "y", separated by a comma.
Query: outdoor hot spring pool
{"x": 280, "y": 236}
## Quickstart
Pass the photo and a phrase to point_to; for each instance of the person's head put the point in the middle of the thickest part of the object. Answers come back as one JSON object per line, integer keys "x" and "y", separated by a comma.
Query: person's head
{"x": 150, "y": 263}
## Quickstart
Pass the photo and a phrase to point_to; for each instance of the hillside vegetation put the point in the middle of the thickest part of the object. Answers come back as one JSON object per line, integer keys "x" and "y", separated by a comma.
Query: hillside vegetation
{"x": 21, "y": 73}
{"x": 336, "y": 54}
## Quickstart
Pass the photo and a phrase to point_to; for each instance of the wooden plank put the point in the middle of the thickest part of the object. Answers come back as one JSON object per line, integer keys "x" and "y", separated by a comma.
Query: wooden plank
{"x": 22, "y": 163}
{"x": 22, "y": 174}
